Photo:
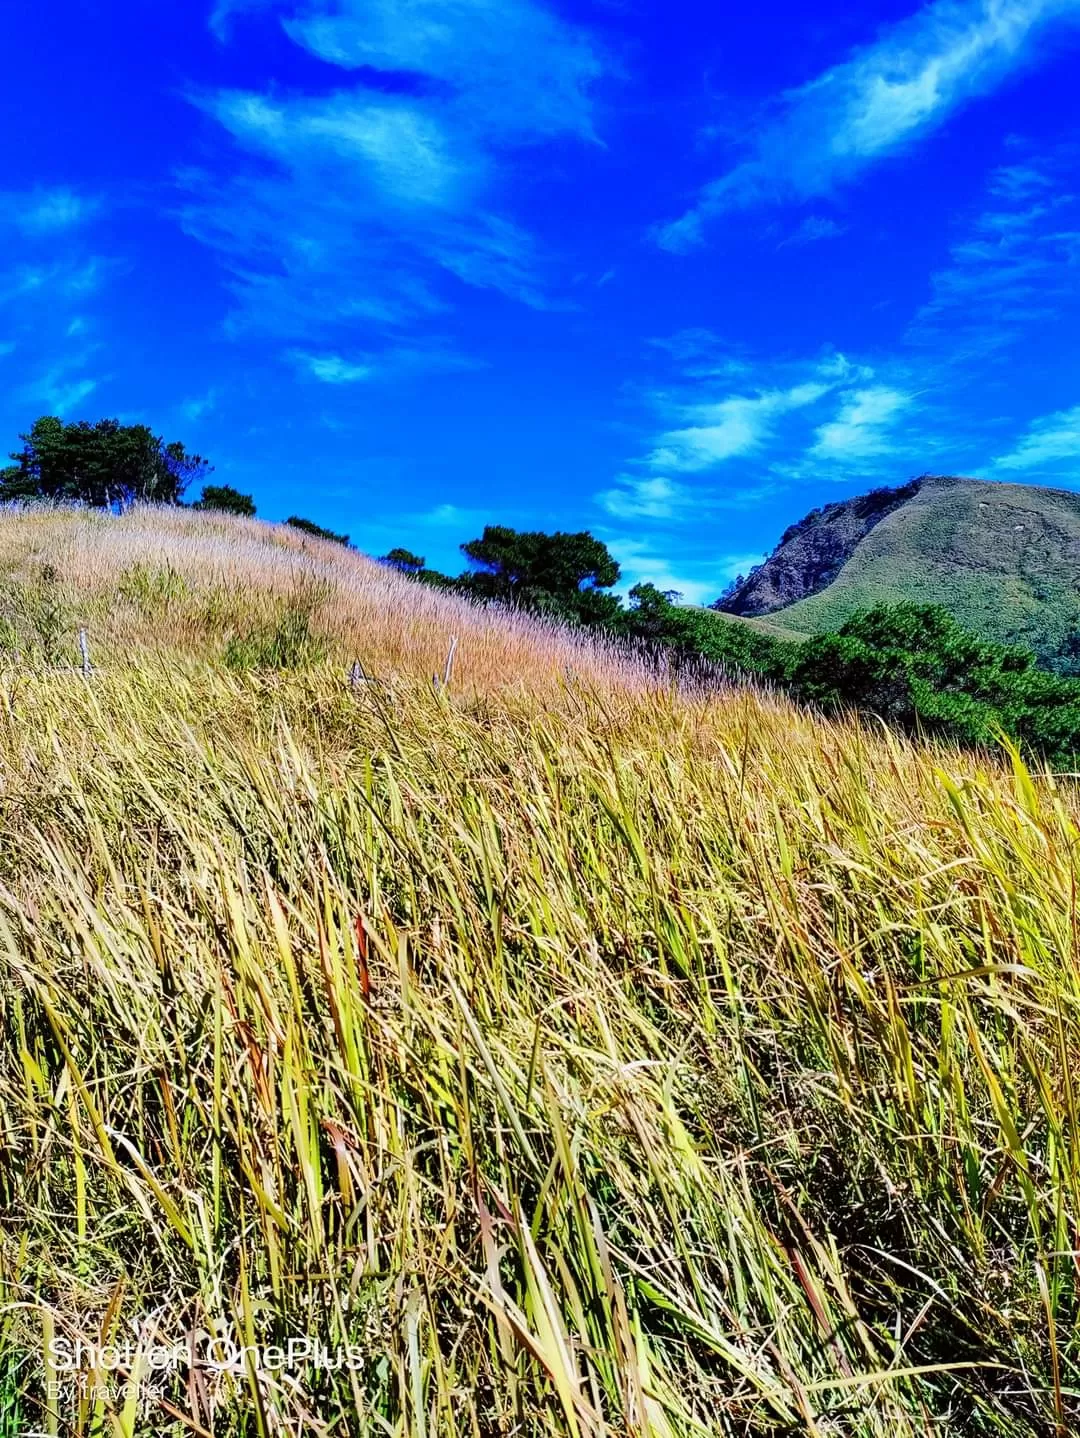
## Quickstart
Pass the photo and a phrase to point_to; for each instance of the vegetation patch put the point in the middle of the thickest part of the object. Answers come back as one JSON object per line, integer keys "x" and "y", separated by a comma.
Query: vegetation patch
{"x": 289, "y": 640}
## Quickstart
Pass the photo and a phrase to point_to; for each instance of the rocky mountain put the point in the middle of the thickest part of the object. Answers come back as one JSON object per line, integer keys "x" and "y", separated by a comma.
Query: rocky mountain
{"x": 1004, "y": 558}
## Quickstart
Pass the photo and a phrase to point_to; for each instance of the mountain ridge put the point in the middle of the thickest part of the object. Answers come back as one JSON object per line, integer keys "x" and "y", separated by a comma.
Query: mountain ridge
{"x": 1004, "y": 559}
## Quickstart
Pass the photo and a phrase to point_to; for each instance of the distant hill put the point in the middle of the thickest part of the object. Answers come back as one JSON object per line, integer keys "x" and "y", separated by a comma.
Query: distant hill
{"x": 1003, "y": 558}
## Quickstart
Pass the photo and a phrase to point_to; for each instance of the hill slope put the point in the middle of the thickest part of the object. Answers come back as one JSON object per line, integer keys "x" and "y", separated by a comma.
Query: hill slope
{"x": 558, "y": 1055}
{"x": 1003, "y": 558}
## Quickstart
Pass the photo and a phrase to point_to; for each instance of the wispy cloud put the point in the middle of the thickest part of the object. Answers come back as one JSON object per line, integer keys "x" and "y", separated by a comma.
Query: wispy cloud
{"x": 812, "y": 229}
{"x": 43, "y": 304}
{"x": 697, "y": 577}
{"x": 44, "y": 211}
{"x": 73, "y": 279}
{"x": 737, "y": 431}
{"x": 648, "y": 497}
{"x": 198, "y": 406}
{"x": 863, "y": 427}
{"x": 58, "y": 390}
{"x": 733, "y": 432}
{"x": 1014, "y": 267}
{"x": 737, "y": 424}
{"x": 331, "y": 368}
{"x": 451, "y": 516}
{"x": 371, "y": 205}
{"x": 1052, "y": 444}
{"x": 883, "y": 97}
{"x": 515, "y": 69}
{"x": 225, "y": 11}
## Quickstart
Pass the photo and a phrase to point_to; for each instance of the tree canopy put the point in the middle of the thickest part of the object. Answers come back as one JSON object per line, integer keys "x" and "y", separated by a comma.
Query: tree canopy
{"x": 404, "y": 560}
{"x": 226, "y": 500}
{"x": 562, "y": 574}
{"x": 559, "y": 564}
{"x": 105, "y": 464}
{"x": 308, "y": 526}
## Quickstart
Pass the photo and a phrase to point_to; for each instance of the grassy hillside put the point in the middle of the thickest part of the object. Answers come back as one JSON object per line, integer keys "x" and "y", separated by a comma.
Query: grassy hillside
{"x": 587, "y": 1058}
{"x": 1003, "y": 558}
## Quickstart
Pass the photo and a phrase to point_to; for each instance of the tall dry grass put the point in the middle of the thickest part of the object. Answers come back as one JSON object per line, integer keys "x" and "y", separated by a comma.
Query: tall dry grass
{"x": 589, "y": 1058}
{"x": 186, "y": 580}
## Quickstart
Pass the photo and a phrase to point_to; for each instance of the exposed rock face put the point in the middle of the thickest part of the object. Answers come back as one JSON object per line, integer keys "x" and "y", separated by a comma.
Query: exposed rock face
{"x": 812, "y": 552}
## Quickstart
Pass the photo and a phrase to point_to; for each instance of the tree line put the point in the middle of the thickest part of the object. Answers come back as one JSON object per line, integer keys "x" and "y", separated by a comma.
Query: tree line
{"x": 109, "y": 465}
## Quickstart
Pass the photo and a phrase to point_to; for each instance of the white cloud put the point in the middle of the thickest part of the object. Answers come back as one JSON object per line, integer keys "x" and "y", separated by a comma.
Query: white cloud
{"x": 731, "y": 429}
{"x": 392, "y": 149}
{"x": 697, "y": 580}
{"x": 335, "y": 369}
{"x": 884, "y": 96}
{"x": 223, "y": 12}
{"x": 331, "y": 368}
{"x": 67, "y": 279}
{"x": 812, "y": 229}
{"x": 47, "y": 211}
{"x": 452, "y": 516}
{"x": 56, "y": 392}
{"x": 654, "y": 497}
{"x": 739, "y": 424}
{"x": 743, "y": 431}
{"x": 515, "y": 66}
{"x": 1015, "y": 265}
{"x": 1051, "y": 442}
{"x": 193, "y": 409}
{"x": 861, "y": 429}
{"x": 731, "y": 566}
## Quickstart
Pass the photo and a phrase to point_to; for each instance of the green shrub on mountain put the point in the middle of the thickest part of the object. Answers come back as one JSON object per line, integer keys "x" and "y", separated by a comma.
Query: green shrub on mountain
{"x": 916, "y": 667}
{"x": 655, "y": 617}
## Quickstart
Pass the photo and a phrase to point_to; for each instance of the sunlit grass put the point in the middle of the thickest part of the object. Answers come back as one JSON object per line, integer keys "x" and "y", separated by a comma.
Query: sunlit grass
{"x": 593, "y": 1058}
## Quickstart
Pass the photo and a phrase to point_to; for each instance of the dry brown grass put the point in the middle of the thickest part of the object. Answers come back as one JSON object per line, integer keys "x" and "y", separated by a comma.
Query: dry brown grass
{"x": 233, "y": 568}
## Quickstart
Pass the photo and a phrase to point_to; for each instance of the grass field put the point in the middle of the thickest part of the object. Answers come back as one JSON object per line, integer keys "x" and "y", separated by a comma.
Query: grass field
{"x": 579, "y": 1056}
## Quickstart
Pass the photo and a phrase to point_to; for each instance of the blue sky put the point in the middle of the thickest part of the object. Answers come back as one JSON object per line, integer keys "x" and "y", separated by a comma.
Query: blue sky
{"x": 675, "y": 273}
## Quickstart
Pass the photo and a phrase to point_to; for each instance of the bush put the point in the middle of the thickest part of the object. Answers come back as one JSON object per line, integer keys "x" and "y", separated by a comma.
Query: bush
{"x": 654, "y": 617}
{"x": 226, "y": 500}
{"x": 36, "y": 625}
{"x": 308, "y": 526}
{"x": 287, "y": 642}
{"x": 916, "y": 667}
{"x": 152, "y": 589}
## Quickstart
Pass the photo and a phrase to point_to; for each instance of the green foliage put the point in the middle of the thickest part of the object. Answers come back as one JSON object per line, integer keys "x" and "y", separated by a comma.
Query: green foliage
{"x": 36, "y": 626}
{"x": 103, "y": 465}
{"x": 655, "y": 617}
{"x": 916, "y": 667}
{"x": 405, "y": 561}
{"x": 435, "y": 578}
{"x": 414, "y": 566}
{"x": 288, "y": 641}
{"x": 562, "y": 576}
{"x": 557, "y": 574}
{"x": 152, "y": 588}
{"x": 227, "y": 500}
{"x": 308, "y": 526}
